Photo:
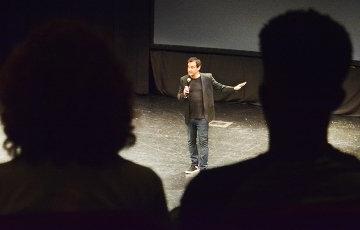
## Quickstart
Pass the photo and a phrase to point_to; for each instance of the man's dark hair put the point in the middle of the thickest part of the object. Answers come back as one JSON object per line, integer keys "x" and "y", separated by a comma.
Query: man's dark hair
{"x": 196, "y": 60}
{"x": 63, "y": 95}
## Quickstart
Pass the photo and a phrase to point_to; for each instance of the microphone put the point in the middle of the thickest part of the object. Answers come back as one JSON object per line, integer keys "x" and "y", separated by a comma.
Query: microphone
{"x": 188, "y": 80}
{"x": 187, "y": 86}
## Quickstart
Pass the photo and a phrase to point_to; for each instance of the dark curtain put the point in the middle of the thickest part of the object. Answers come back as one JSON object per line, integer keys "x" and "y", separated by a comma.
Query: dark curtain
{"x": 128, "y": 21}
{"x": 169, "y": 66}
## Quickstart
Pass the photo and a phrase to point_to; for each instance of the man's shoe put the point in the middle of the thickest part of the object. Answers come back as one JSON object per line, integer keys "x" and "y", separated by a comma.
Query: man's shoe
{"x": 192, "y": 169}
{"x": 202, "y": 169}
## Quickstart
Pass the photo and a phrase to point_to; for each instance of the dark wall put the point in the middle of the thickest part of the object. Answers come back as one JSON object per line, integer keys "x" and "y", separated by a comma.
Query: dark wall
{"x": 128, "y": 21}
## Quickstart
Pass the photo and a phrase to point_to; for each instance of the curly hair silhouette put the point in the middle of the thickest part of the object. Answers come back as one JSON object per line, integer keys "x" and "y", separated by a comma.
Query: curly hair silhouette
{"x": 64, "y": 95}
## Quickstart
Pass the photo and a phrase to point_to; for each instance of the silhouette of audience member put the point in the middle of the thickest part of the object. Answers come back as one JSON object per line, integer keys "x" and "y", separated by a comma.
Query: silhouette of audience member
{"x": 306, "y": 56}
{"x": 67, "y": 111}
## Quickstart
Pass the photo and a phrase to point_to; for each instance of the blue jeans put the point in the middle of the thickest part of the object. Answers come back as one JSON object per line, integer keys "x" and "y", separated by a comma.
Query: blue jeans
{"x": 198, "y": 128}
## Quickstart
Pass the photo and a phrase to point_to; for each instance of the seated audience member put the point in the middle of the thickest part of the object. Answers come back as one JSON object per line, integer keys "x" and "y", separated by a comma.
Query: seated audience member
{"x": 302, "y": 181}
{"x": 66, "y": 108}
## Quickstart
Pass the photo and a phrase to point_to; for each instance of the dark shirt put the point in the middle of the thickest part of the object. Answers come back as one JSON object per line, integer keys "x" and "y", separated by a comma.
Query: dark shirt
{"x": 274, "y": 189}
{"x": 120, "y": 186}
{"x": 196, "y": 99}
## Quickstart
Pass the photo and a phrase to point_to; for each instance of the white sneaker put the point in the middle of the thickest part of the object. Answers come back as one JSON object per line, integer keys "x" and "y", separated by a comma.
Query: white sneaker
{"x": 192, "y": 169}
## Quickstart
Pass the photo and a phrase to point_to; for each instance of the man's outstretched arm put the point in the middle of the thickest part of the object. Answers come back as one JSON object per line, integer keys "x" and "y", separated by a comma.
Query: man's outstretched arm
{"x": 220, "y": 87}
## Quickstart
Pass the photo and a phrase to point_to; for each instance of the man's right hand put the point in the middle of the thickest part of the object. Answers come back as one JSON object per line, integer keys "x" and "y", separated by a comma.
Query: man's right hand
{"x": 186, "y": 91}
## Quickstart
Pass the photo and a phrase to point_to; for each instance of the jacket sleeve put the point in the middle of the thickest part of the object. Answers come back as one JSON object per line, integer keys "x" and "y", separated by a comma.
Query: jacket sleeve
{"x": 180, "y": 94}
{"x": 220, "y": 87}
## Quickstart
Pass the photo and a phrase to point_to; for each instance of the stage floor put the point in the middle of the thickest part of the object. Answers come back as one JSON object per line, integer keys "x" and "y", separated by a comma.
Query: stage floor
{"x": 161, "y": 139}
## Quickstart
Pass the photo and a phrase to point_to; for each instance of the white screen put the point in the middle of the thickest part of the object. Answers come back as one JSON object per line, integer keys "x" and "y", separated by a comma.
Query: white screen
{"x": 235, "y": 24}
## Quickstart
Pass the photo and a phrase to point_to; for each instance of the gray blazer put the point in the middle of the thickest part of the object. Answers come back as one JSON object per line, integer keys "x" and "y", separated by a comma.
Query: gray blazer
{"x": 208, "y": 84}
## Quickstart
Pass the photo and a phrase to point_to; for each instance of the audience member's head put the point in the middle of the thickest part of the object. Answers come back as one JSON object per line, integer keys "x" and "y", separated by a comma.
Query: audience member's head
{"x": 64, "y": 96}
{"x": 299, "y": 181}
{"x": 306, "y": 56}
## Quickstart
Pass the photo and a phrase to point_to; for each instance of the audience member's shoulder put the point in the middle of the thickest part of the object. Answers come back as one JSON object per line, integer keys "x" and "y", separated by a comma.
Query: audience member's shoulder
{"x": 341, "y": 160}
{"x": 234, "y": 169}
{"x": 10, "y": 167}
{"x": 136, "y": 171}
{"x": 222, "y": 177}
{"x": 7, "y": 164}
{"x": 119, "y": 168}
{"x": 215, "y": 188}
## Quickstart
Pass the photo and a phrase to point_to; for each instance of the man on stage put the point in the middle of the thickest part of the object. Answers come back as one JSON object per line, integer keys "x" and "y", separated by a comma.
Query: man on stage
{"x": 196, "y": 92}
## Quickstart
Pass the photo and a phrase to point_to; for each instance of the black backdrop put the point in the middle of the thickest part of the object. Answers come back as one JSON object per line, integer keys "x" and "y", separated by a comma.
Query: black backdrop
{"x": 130, "y": 22}
{"x": 168, "y": 66}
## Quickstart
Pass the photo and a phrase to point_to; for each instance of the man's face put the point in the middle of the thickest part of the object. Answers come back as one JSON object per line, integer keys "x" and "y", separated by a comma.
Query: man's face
{"x": 192, "y": 69}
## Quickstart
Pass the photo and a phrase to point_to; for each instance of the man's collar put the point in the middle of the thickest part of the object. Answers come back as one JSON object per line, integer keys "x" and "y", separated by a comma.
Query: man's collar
{"x": 196, "y": 77}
